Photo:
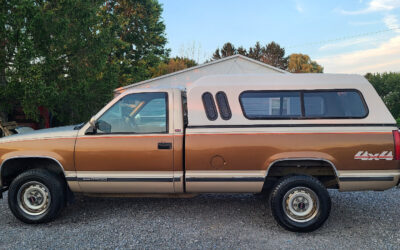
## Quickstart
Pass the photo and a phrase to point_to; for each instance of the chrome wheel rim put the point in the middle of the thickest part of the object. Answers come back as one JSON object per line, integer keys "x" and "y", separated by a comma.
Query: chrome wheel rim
{"x": 301, "y": 204}
{"x": 34, "y": 198}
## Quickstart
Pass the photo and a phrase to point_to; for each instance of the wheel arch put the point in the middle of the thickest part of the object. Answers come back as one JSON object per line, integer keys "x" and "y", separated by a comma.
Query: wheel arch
{"x": 15, "y": 165}
{"x": 317, "y": 167}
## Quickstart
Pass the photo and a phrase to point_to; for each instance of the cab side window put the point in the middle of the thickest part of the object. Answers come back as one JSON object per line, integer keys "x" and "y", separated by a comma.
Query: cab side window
{"x": 137, "y": 114}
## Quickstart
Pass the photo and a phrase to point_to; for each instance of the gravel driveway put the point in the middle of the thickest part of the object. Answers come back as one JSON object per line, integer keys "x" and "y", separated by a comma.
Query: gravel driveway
{"x": 367, "y": 220}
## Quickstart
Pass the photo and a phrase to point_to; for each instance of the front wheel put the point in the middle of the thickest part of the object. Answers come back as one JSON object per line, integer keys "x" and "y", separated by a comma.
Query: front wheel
{"x": 36, "y": 196}
{"x": 300, "y": 203}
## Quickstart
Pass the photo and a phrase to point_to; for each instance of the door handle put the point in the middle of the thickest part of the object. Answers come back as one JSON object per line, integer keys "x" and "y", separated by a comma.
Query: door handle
{"x": 164, "y": 145}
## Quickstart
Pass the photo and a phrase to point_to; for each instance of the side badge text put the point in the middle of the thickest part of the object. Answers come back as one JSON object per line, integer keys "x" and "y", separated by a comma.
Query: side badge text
{"x": 366, "y": 156}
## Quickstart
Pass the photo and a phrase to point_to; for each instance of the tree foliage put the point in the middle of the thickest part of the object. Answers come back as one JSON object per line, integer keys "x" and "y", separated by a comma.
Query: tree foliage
{"x": 256, "y": 52}
{"x": 172, "y": 65}
{"x": 142, "y": 37}
{"x": 16, "y": 51}
{"x": 227, "y": 50}
{"x": 67, "y": 56}
{"x": 272, "y": 53}
{"x": 300, "y": 63}
{"x": 388, "y": 87}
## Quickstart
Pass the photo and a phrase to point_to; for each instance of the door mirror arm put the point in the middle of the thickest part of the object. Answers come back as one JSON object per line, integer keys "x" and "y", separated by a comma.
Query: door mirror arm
{"x": 92, "y": 128}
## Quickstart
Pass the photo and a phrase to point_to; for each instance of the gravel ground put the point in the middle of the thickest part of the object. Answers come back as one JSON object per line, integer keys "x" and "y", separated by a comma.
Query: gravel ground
{"x": 359, "y": 220}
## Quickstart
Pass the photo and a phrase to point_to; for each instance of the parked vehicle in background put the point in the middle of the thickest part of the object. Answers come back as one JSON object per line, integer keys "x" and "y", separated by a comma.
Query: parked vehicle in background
{"x": 23, "y": 130}
{"x": 294, "y": 135}
{"x": 10, "y": 128}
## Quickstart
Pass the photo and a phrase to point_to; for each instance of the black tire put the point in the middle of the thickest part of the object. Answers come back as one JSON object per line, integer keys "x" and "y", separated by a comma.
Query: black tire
{"x": 294, "y": 185}
{"x": 49, "y": 183}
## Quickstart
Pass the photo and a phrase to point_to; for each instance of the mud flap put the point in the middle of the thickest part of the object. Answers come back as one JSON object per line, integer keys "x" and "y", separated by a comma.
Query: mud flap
{"x": 2, "y": 190}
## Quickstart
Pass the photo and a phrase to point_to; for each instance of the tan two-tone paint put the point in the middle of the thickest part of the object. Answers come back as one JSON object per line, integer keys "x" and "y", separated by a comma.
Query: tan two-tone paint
{"x": 217, "y": 156}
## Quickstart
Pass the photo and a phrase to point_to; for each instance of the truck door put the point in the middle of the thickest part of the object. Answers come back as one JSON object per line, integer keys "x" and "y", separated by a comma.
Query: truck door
{"x": 132, "y": 149}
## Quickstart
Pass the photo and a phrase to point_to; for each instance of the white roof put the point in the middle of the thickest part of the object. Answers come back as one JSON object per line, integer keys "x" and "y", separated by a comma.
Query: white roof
{"x": 281, "y": 81}
{"x": 234, "y": 85}
{"x": 236, "y": 64}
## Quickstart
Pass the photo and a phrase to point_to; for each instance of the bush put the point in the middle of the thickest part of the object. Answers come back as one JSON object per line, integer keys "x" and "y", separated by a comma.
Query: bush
{"x": 388, "y": 87}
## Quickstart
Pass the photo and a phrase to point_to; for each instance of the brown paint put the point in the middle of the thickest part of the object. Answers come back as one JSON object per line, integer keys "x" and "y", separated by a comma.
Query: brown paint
{"x": 257, "y": 151}
{"x": 123, "y": 153}
{"x": 61, "y": 149}
{"x": 178, "y": 153}
{"x": 239, "y": 151}
{"x": 284, "y": 133}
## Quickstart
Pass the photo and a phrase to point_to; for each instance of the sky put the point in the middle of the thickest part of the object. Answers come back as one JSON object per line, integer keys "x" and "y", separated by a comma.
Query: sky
{"x": 343, "y": 36}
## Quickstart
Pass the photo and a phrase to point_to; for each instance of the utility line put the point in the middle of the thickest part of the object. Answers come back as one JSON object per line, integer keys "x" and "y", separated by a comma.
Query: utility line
{"x": 342, "y": 38}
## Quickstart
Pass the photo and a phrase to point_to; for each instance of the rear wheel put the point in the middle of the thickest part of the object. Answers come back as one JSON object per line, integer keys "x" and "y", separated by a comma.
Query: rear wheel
{"x": 36, "y": 196}
{"x": 300, "y": 203}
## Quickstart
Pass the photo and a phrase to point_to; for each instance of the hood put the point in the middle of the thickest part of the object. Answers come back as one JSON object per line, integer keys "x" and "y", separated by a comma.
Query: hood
{"x": 49, "y": 133}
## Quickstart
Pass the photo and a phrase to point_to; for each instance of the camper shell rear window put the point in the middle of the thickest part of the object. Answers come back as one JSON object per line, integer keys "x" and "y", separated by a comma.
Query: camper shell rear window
{"x": 303, "y": 104}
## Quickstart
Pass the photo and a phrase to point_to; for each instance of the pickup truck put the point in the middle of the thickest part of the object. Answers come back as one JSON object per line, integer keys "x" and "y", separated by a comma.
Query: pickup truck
{"x": 292, "y": 136}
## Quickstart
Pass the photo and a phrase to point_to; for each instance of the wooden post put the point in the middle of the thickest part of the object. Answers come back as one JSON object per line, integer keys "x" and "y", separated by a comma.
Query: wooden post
{"x": 7, "y": 127}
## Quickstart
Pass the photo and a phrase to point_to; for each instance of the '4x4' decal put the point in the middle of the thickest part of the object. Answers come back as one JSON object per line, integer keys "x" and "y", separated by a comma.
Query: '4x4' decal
{"x": 365, "y": 156}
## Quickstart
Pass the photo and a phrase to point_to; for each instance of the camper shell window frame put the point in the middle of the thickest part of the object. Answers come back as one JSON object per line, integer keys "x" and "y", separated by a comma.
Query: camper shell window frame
{"x": 303, "y": 116}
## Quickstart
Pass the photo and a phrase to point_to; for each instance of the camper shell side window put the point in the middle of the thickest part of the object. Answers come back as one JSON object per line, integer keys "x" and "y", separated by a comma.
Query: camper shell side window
{"x": 303, "y": 104}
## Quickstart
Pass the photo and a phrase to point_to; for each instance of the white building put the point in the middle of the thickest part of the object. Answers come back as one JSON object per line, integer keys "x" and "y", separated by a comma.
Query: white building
{"x": 236, "y": 64}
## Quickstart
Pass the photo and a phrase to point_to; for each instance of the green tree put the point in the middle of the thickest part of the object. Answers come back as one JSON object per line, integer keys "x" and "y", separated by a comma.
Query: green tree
{"x": 18, "y": 69}
{"x": 388, "y": 87}
{"x": 242, "y": 51}
{"x": 271, "y": 53}
{"x": 274, "y": 55}
{"x": 67, "y": 56}
{"x": 74, "y": 47}
{"x": 300, "y": 63}
{"x": 228, "y": 49}
{"x": 216, "y": 55}
{"x": 142, "y": 35}
{"x": 256, "y": 52}
{"x": 172, "y": 65}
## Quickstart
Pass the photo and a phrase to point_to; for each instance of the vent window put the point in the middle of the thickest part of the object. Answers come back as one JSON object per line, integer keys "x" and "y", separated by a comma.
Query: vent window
{"x": 223, "y": 105}
{"x": 209, "y": 106}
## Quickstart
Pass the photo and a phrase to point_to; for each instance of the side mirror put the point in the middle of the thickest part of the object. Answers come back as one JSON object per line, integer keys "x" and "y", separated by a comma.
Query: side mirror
{"x": 92, "y": 128}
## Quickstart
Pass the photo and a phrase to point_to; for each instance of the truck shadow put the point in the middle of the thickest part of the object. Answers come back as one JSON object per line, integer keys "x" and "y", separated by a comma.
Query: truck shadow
{"x": 351, "y": 212}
